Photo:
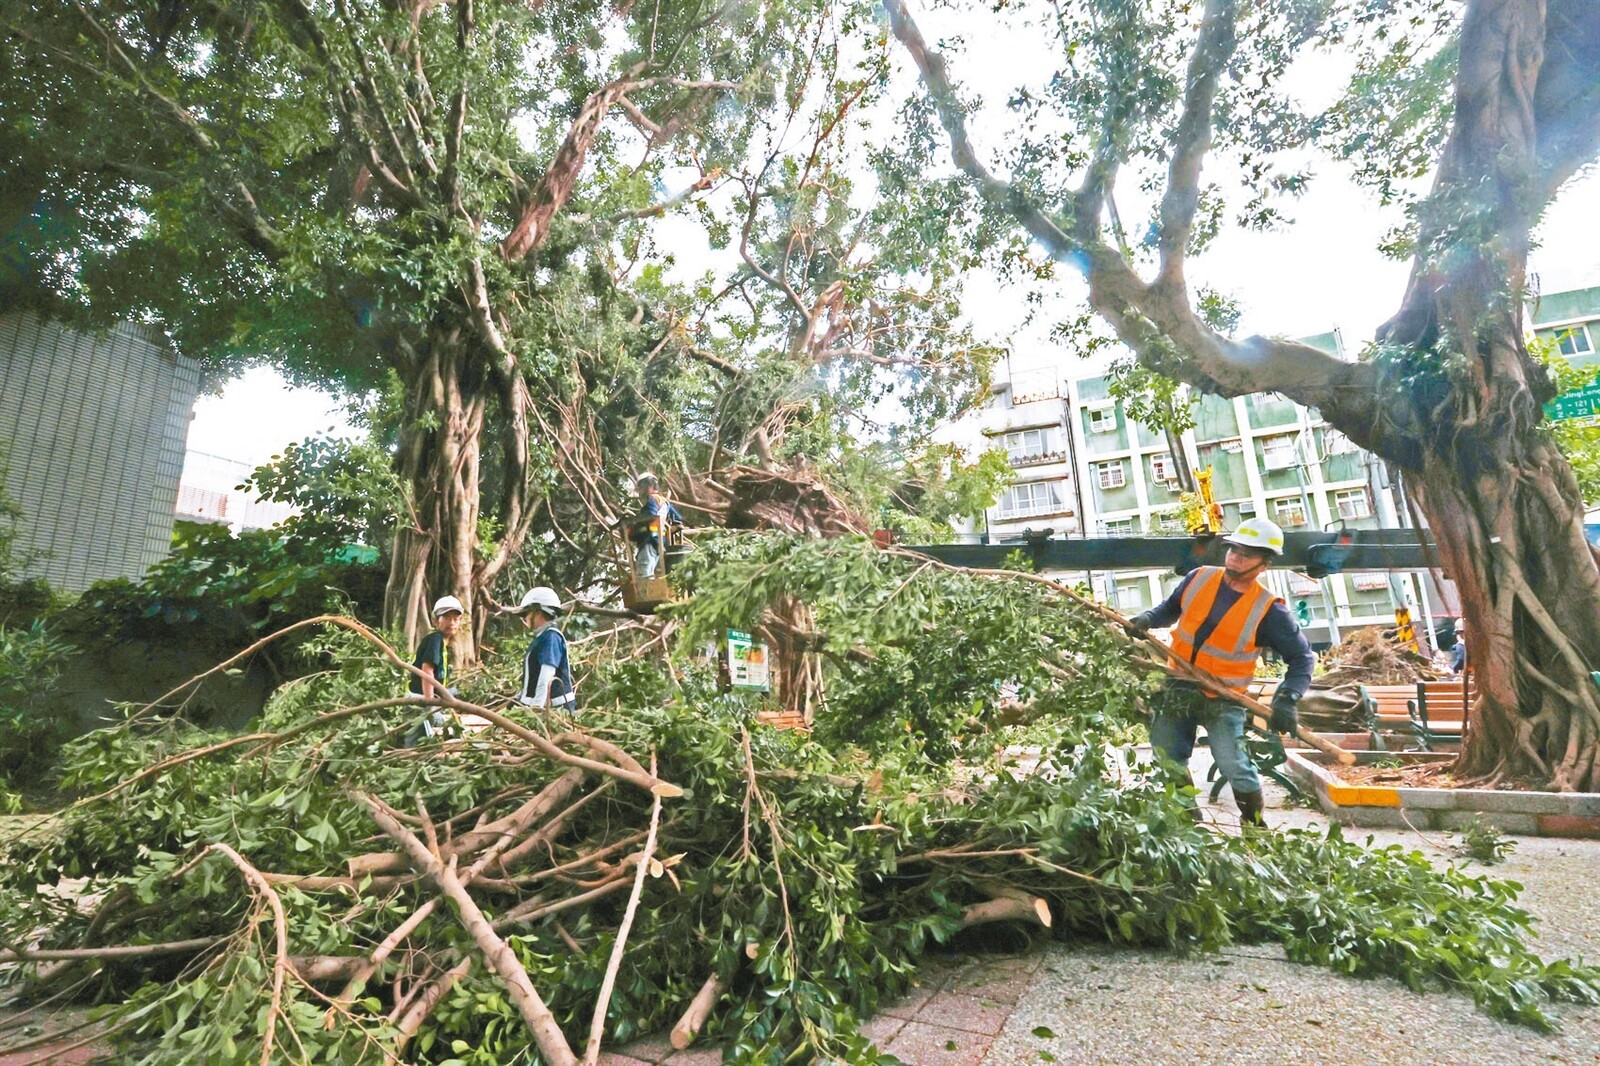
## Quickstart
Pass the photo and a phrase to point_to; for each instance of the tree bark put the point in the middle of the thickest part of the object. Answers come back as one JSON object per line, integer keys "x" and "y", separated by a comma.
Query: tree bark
{"x": 1500, "y": 499}
{"x": 438, "y": 458}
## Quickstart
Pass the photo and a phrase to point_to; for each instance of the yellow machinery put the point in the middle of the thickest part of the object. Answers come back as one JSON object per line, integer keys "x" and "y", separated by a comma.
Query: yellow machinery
{"x": 1202, "y": 514}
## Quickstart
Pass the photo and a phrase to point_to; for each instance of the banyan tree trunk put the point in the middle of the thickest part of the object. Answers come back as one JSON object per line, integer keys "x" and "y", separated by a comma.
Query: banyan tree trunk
{"x": 1501, "y": 500}
{"x": 1508, "y": 519}
{"x": 439, "y": 459}
{"x": 796, "y": 670}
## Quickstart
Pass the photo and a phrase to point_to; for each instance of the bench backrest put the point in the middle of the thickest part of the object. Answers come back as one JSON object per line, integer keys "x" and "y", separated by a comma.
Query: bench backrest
{"x": 1447, "y": 698}
{"x": 1390, "y": 699}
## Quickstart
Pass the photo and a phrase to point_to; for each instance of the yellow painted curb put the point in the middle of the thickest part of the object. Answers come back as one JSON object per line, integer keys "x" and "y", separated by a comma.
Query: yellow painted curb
{"x": 1363, "y": 795}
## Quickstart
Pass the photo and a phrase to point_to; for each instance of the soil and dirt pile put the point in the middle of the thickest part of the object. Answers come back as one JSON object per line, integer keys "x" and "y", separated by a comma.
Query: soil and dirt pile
{"x": 1367, "y": 657}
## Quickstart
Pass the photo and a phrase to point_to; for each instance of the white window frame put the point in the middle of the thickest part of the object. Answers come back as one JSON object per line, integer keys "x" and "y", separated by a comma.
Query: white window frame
{"x": 1279, "y": 453}
{"x": 1576, "y": 338}
{"x": 1104, "y": 471}
{"x": 1283, "y": 507}
{"x": 1102, "y": 420}
{"x": 1027, "y": 499}
{"x": 1016, "y": 444}
{"x": 1352, "y": 496}
{"x": 1164, "y": 468}
{"x": 1120, "y": 527}
{"x": 1129, "y": 599}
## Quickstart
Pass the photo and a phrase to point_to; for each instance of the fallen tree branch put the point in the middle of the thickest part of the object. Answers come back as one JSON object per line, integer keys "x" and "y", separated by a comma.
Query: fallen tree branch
{"x": 1019, "y": 907}
{"x": 417, "y": 1011}
{"x": 497, "y": 954}
{"x": 699, "y": 1009}
{"x": 597, "y": 1023}
{"x": 280, "y": 924}
{"x": 117, "y": 951}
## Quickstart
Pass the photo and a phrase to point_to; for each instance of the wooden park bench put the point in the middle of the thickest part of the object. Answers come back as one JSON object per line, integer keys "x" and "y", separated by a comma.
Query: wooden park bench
{"x": 1440, "y": 709}
{"x": 1430, "y": 711}
{"x": 1391, "y": 711}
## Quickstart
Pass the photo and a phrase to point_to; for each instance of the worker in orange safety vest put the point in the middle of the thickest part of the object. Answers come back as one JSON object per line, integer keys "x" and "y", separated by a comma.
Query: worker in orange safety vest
{"x": 1221, "y": 618}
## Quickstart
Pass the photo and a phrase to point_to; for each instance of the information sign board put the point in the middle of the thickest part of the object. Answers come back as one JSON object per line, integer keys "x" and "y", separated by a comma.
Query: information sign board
{"x": 747, "y": 662}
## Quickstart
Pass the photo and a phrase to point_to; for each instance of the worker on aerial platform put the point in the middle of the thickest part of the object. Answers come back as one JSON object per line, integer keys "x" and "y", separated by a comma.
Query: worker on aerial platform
{"x": 648, "y": 529}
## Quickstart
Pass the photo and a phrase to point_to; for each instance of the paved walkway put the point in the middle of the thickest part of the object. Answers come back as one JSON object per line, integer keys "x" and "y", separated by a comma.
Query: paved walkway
{"x": 1094, "y": 1003}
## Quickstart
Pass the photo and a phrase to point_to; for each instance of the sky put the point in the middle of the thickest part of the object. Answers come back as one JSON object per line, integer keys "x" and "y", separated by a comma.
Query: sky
{"x": 1319, "y": 274}
{"x": 258, "y": 413}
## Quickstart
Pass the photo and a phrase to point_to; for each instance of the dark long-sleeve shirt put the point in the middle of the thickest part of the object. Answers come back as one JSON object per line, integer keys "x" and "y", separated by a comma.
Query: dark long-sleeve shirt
{"x": 1278, "y": 631}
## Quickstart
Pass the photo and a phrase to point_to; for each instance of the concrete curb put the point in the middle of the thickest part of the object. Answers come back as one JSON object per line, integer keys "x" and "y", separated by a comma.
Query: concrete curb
{"x": 1563, "y": 814}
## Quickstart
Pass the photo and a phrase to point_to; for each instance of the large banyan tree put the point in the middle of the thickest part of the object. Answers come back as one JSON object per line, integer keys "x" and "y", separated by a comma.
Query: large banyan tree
{"x": 454, "y": 204}
{"x": 1144, "y": 94}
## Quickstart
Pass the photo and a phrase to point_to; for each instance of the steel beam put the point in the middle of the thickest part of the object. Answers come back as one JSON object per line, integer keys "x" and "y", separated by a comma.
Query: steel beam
{"x": 1361, "y": 549}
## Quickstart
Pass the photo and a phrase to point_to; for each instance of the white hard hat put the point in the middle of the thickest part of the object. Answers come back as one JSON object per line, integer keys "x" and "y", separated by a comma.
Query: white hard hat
{"x": 543, "y": 596}
{"x": 1258, "y": 533}
{"x": 645, "y": 477}
{"x": 446, "y": 604}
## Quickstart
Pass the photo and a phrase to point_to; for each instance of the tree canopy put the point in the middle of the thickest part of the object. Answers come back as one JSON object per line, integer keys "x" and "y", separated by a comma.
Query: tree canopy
{"x": 472, "y": 208}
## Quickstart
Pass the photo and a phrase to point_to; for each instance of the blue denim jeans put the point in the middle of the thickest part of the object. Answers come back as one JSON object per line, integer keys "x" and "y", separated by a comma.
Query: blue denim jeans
{"x": 646, "y": 554}
{"x": 1179, "y": 712}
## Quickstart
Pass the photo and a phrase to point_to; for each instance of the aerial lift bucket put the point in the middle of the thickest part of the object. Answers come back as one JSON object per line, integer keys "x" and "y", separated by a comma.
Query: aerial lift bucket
{"x": 645, "y": 592}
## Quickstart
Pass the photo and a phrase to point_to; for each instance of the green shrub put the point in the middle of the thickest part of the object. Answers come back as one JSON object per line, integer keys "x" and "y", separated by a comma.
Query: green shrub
{"x": 30, "y": 664}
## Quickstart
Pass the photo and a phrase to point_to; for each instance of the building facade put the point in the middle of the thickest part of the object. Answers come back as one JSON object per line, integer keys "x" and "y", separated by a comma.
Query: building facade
{"x": 94, "y": 427}
{"x": 1084, "y": 468}
{"x": 1570, "y": 320}
{"x": 209, "y": 492}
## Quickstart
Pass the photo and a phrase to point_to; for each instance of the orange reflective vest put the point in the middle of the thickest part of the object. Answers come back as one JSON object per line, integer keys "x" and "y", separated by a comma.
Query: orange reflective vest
{"x": 1230, "y": 650}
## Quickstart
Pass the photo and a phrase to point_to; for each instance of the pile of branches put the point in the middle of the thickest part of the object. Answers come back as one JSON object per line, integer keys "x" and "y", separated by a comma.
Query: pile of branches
{"x": 1370, "y": 657}
{"x": 318, "y": 891}
{"x": 794, "y": 500}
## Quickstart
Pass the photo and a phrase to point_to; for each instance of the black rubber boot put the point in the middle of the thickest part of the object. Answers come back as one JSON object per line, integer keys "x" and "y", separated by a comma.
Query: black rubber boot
{"x": 1194, "y": 801}
{"x": 1250, "y": 808}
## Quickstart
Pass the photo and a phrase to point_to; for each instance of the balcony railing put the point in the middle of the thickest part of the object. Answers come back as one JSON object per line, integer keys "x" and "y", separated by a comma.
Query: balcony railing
{"x": 1038, "y": 460}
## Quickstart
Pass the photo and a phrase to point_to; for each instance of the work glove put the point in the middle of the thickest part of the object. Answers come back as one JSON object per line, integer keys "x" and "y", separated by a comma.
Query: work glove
{"x": 1285, "y": 719}
{"x": 1140, "y": 623}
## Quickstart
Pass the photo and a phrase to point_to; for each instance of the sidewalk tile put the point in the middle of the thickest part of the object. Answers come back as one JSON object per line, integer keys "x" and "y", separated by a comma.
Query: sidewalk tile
{"x": 881, "y": 1029}
{"x": 697, "y": 1056}
{"x": 955, "y": 1010}
{"x": 935, "y": 1045}
{"x": 612, "y": 1058}
{"x": 995, "y": 984}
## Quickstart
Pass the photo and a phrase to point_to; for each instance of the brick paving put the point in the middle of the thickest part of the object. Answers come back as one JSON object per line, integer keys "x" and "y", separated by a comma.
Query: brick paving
{"x": 949, "y": 1018}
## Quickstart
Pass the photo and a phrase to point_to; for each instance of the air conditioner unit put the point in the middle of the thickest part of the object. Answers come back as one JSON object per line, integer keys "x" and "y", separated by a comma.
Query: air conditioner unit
{"x": 1247, "y": 508}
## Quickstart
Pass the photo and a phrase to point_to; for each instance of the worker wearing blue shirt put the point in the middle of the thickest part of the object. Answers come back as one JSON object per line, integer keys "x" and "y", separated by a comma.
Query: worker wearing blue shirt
{"x": 546, "y": 670}
{"x": 1222, "y": 617}
{"x": 648, "y": 529}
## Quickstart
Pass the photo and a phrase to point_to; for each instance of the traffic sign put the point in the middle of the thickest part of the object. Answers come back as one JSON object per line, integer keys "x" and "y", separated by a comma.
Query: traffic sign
{"x": 1404, "y": 632}
{"x": 1574, "y": 404}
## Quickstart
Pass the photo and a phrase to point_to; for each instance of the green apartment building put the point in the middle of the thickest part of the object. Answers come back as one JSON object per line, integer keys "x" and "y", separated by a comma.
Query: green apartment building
{"x": 1083, "y": 468}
